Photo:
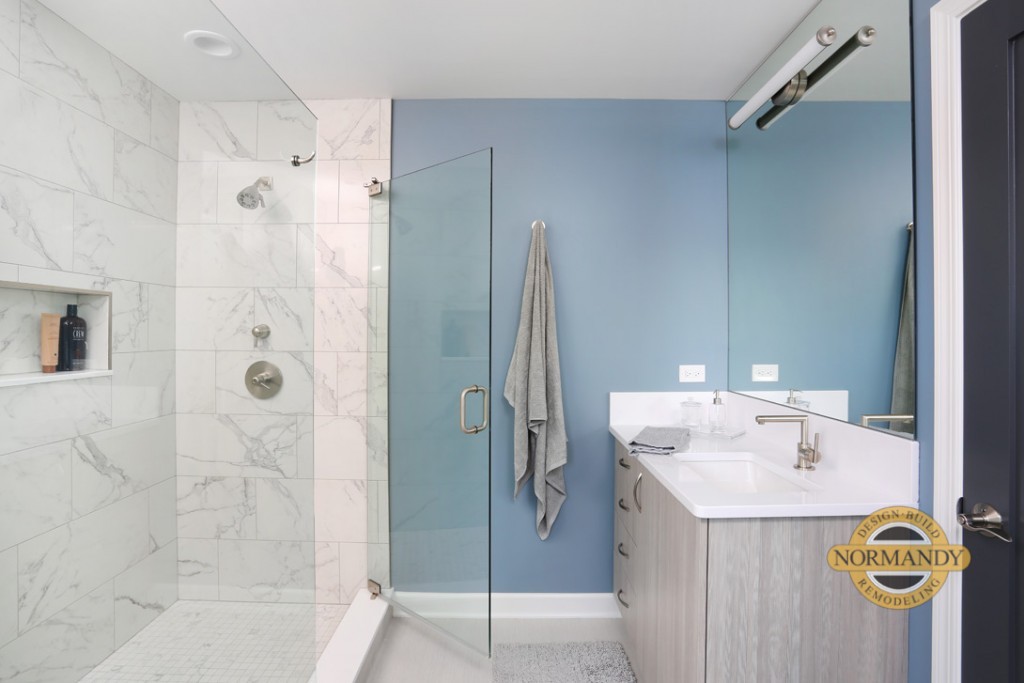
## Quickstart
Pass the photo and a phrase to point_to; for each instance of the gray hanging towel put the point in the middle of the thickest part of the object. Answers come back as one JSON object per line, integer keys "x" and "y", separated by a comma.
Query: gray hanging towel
{"x": 533, "y": 387}
{"x": 904, "y": 374}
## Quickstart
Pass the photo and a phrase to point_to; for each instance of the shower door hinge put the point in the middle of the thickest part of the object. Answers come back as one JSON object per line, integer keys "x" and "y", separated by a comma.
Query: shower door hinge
{"x": 373, "y": 587}
{"x": 374, "y": 187}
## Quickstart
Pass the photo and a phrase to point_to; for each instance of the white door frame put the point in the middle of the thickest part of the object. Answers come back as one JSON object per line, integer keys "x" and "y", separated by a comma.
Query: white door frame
{"x": 947, "y": 177}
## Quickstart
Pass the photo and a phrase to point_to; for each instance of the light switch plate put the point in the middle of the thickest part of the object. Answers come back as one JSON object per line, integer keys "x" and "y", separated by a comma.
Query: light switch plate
{"x": 691, "y": 373}
{"x": 764, "y": 373}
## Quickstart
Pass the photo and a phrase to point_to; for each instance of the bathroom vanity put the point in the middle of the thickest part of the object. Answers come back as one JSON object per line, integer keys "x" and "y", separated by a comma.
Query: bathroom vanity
{"x": 720, "y": 559}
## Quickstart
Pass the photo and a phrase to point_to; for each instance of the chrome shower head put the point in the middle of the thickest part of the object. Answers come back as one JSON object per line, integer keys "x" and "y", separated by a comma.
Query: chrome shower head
{"x": 251, "y": 197}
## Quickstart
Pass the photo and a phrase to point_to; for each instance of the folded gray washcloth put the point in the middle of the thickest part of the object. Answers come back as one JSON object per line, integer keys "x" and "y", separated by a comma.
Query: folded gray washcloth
{"x": 660, "y": 440}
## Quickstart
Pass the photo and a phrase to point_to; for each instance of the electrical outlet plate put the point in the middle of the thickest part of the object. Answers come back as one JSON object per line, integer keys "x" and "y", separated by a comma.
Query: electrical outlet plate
{"x": 691, "y": 373}
{"x": 764, "y": 373}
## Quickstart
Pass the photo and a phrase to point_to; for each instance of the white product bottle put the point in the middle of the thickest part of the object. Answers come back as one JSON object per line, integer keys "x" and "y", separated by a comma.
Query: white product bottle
{"x": 716, "y": 415}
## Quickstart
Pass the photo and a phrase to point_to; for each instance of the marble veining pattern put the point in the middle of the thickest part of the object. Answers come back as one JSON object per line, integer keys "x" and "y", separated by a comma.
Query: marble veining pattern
{"x": 214, "y": 318}
{"x": 286, "y": 127}
{"x": 236, "y": 256}
{"x": 349, "y": 129}
{"x": 295, "y": 397}
{"x": 341, "y": 319}
{"x": 237, "y": 446}
{"x": 35, "y": 222}
{"x": 8, "y": 595}
{"x": 197, "y": 569}
{"x": 61, "y": 60}
{"x": 216, "y": 507}
{"x": 341, "y": 510}
{"x": 118, "y": 242}
{"x": 163, "y": 136}
{"x": 352, "y": 378}
{"x": 342, "y": 255}
{"x": 35, "y": 492}
{"x": 217, "y": 131}
{"x": 10, "y": 35}
{"x": 144, "y": 592}
{"x": 130, "y": 318}
{"x": 19, "y": 326}
{"x": 61, "y": 566}
{"x": 144, "y": 179}
{"x": 266, "y": 571}
{"x": 289, "y": 313}
{"x": 34, "y": 414}
{"x": 53, "y": 141}
{"x": 163, "y": 513}
{"x": 284, "y": 509}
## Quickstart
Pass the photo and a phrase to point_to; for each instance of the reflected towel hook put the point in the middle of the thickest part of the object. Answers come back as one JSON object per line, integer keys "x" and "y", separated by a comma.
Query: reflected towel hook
{"x": 538, "y": 224}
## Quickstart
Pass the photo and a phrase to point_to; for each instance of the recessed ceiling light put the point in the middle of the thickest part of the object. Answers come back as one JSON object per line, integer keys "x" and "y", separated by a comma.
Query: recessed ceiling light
{"x": 213, "y": 44}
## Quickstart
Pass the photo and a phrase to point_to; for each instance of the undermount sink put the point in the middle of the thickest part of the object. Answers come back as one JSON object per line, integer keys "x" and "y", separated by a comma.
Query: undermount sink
{"x": 738, "y": 475}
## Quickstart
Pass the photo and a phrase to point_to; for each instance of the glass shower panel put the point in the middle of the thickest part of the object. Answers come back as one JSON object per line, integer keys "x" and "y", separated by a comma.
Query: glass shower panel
{"x": 438, "y": 340}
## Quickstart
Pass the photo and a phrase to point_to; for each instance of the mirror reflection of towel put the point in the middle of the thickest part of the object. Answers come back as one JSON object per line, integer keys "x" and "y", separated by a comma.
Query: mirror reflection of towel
{"x": 904, "y": 373}
{"x": 533, "y": 387}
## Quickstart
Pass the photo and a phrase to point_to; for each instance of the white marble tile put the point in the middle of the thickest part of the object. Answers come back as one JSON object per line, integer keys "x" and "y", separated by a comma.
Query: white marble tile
{"x": 130, "y": 317}
{"x": 216, "y": 507}
{"x": 373, "y": 512}
{"x": 284, "y": 509}
{"x": 35, "y": 491}
{"x": 353, "y": 202}
{"x": 342, "y": 255}
{"x": 217, "y": 131}
{"x": 65, "y": 647}
{"x": 340, "y": 510}
{"x": 352, "y": 378}
{"x": 286, "y": 127}
{"x": 96, "y": 311}
{"x": 143, "y": 386}
{"x": 341, "y": 319}
{"x": 377, "y": 319}
{"x": 35, "y": 222}
{"x": 292, "y": 200}
{"x": 58, "y": 58}
{"x": 352, "y": 566}
{"x": 163, "y": 135}
{"x": 8, "y": 272}
{"x": 163, "y": 513}
{"x": 379, "y": 257}
{"x": 214, "y": 318}
{"x": 197, "y": 569}
{"x": 63, "y": 565}
{"x": 266, "y": 571}
{"x": 9, "y": 595}
{"x": 304, "y": 426}
{"x": 162, "y": 313}
{"x": 348, "y": 129}
{"x": 144, "y": 592}
{"x": 340, "y": 447}
{"x": 328, "y": 573}
{"x": 236, "y": 256}
{"x": 305, "y": 251}
{"x": 194, "y": 383}
{"x": 325, "y": 383}
{"x": 29, "y": 275}
{"x": 237, "y": 446}
{"x": 328, "y": 181}
{"x": 10, "y": 35}
{"x": 377, "y": 448}
{"x": 289, "y": 313}
{"x": 385, "y": 129}
{"x": 34, "y": 414}
{"x": 51, "y": 140}
{"x": 377, "y": 387}
{"x": 116, "y": 463}
{"x": 19, "y": 326}
{"x": 378, "y": 560}
{"x": 295, "y": 397}
{"x": 144, "y": 179}
{"x": 117, "y": 242}
{"x": 197, "y": 192}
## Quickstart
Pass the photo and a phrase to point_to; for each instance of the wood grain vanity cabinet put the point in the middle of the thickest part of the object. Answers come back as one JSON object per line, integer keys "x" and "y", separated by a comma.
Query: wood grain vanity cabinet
{"x": 742, "y": 600}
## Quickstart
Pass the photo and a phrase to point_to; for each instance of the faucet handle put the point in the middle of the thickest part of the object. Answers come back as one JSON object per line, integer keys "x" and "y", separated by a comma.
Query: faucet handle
{"x": 816, "y": 453}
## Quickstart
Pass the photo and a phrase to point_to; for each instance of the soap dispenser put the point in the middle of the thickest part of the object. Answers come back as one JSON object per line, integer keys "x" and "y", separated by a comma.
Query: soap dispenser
{"x": 799, "y": 404}
{"x": 717, "y": 415}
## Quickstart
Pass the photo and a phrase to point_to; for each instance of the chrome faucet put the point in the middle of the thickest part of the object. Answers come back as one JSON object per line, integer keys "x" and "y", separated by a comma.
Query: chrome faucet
{"x": 806, "y": 454}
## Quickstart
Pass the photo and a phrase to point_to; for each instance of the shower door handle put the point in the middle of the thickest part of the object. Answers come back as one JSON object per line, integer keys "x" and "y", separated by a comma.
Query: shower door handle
{"x": 475, "y": 429}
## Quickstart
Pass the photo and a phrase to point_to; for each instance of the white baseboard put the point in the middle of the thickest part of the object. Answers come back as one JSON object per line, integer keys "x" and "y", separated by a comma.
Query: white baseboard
{"x": 509, "y": 605}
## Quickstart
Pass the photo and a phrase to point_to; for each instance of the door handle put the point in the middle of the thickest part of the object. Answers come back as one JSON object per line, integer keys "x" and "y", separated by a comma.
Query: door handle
{"x": 624, "y": 465}
{"x": 619, "y": 596}
{"x": 475, "y": 429}
{"x": 623, "y": 552}
{"x": 636, "y": 498}
{"x": 983, "y": 519}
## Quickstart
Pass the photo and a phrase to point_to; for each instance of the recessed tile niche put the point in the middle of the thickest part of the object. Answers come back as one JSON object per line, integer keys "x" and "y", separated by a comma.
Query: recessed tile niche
{"x": 21, "y": 306}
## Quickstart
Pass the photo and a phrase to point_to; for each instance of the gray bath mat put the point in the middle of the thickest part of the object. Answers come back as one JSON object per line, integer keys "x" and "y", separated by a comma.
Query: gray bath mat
{"x": 591, "y": 662}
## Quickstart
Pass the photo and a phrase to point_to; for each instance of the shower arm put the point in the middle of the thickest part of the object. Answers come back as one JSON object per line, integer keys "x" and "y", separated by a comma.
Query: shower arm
{"x": 298, "y": 161}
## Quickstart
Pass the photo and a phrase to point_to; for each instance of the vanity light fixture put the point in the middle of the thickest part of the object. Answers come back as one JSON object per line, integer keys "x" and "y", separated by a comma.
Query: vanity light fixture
{"x": 825, "y": 36}
{"x": 212, "y": 44}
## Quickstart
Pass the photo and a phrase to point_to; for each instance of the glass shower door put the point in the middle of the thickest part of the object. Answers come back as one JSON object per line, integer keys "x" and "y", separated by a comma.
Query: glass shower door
{"x": 437, "y": 297}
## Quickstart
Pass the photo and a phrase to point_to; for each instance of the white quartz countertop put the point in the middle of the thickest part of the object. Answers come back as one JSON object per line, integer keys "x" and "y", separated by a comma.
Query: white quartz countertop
{"x": 753, "y": 477}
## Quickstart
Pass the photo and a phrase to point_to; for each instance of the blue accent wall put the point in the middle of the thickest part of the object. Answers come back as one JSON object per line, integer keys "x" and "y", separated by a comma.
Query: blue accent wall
{"x": 634, "y": 196}
{"x": 920, "y": 670}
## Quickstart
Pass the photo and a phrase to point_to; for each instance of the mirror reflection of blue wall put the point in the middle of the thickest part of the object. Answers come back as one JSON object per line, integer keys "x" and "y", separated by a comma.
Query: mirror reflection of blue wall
{"x": 818, "y": 211}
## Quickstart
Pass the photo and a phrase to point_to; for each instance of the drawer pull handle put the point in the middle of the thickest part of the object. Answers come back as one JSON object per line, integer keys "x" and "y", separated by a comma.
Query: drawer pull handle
{"x": 636, "y": 486}
{"x": 619, "y": 596}
{"x": 622, "y": 504}
{"x": 623, "y": 552}
{"x": 625, "y": 465}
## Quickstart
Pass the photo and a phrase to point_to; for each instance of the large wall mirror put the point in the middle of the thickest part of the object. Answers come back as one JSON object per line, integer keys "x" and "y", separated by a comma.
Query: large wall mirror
{"x": 821, "y": 242}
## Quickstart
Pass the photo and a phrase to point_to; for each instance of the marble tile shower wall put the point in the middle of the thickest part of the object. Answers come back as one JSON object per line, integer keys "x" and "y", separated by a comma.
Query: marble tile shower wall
{"x": 87, "y": 491}
{"x": 249, "y": 487}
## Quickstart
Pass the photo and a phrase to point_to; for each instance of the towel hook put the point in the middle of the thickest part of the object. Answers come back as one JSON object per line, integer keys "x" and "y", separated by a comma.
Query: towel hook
{"x": 538, "y": 224}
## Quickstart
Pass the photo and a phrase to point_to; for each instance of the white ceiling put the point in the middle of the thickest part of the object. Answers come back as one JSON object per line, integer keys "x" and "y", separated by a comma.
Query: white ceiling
{"x": 642, "y": 49}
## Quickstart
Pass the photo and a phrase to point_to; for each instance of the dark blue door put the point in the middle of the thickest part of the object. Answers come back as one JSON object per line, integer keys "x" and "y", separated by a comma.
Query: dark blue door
{"x": 993, "y": 143}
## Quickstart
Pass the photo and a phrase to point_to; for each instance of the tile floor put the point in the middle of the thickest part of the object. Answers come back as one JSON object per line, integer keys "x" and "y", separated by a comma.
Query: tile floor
{"x": 224, "y": 642}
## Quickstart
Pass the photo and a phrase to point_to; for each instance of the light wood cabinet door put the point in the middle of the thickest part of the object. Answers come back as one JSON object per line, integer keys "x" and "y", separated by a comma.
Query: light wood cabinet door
{"x": 644, "y": 576}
